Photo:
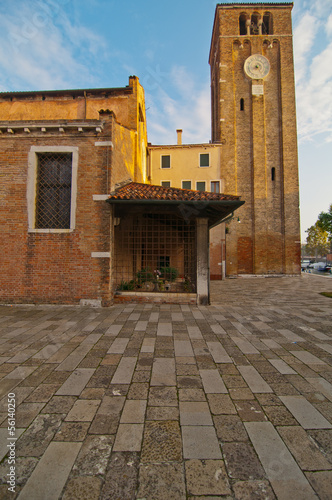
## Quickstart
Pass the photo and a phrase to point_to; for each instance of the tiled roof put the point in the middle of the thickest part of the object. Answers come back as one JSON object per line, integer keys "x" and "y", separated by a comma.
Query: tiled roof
{"x": 137, "y": 191}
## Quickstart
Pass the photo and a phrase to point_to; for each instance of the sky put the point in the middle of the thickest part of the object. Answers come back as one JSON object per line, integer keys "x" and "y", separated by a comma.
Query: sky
{"x": 63, "y": 44}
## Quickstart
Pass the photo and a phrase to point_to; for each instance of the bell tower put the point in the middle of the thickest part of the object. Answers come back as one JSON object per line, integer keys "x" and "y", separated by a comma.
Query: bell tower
{"x": 254, "y": 118}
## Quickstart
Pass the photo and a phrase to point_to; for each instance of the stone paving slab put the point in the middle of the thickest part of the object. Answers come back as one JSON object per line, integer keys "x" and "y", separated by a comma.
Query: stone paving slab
{"x": 144, "y": 401}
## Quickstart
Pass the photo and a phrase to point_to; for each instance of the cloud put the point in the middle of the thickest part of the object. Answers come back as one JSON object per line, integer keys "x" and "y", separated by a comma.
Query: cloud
{"x": 41, "y": 48}
{"x": 186, "y": 106}
{"x": 313, "y": 72}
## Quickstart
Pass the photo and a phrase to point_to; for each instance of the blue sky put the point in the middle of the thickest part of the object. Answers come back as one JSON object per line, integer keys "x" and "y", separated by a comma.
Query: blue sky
{"x": 57, "y": 44}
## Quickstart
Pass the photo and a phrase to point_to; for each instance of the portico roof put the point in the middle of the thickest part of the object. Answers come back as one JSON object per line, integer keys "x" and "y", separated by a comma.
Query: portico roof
{"x": 188, "y": 203}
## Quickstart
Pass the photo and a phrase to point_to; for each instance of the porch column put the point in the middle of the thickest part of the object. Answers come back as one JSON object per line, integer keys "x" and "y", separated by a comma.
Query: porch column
{"x": 203, "y": 261}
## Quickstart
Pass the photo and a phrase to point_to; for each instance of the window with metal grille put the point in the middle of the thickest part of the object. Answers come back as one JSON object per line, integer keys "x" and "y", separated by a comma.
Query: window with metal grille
{"x": 53, "y": 201}
{"x": 165, "y": 161}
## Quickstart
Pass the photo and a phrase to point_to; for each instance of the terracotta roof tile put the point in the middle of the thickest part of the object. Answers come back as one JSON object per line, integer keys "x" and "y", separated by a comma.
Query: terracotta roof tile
{"x": 137, "y": 191}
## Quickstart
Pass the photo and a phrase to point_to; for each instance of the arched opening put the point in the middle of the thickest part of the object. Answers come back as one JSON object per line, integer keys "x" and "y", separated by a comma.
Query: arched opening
{"x": 241, "y": 104}
{"x": 254, "y": 26}
{"x": 242, "y": 24}
{"x": 267, "y": 24}
{"x": 273, "y": 173}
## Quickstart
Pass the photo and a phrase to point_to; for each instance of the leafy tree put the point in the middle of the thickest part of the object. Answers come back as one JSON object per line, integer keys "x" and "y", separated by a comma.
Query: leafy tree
{"x": 325, "y": 222}
{"x": 317, "y": 240}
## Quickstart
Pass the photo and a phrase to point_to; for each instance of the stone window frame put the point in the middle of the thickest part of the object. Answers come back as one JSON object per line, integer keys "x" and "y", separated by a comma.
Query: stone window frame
{"x": 164, "y": 181}
{"x": 215, "y": 182}
{"x": 161, "y": 161}
{"x": 201, "y": 182}
{"x": 32, "y": 186}
{"x": 204, "y": 166}
{"x": 186, "y": 180}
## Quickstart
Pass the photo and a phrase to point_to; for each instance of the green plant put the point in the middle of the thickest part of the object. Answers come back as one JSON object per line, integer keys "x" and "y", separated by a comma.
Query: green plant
{"x": 326, "y": 294}
{"x": 169, "y": 273}
{"x": 144, "y": 275}
{"x": 127, "y": 285}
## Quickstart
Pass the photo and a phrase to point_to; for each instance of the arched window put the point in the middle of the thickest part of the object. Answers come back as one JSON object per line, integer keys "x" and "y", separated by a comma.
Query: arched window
{"x": 241, "y": 104}
{"x": 273, "y": 174}
{"x": 254, "y": 26}
{"x": 242, "y": 24}
{"x": 267, "y": 24}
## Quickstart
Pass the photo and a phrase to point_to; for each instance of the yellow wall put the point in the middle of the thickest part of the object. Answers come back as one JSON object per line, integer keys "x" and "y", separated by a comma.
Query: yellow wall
{"x": 185, "y": 161}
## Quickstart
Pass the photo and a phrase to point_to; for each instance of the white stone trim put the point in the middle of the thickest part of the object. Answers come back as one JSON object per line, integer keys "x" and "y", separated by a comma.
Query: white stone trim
{"x": 100, "y": 197}
{"x": 32, "y": 186}
{"x": 101, "y": 255}
{"x": 104, "y": 143}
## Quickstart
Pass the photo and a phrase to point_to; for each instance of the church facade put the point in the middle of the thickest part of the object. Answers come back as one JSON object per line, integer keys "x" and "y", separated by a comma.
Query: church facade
{"x": 85, "y": 219}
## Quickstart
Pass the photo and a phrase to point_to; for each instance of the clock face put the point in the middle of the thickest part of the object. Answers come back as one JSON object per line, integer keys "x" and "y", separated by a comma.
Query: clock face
{"x": 257, "y": 67}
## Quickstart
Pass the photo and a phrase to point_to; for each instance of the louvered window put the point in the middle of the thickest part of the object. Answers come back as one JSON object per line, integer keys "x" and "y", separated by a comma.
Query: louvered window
{"x": 54, "y": 179}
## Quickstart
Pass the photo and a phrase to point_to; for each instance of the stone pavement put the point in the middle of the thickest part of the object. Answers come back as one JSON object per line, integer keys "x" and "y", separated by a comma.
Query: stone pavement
{"x": 159, "y": 402}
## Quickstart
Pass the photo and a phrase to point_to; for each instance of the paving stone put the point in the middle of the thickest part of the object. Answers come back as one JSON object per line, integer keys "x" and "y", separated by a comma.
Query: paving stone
{"x": 254, "y": 380}
{"x": 163, "y": 396}
{"x": 241, "y": 393}
{"x": 234, "y": 381}
{"x": 108, "y": 415}
{"x": 164, "y": 329}
{"x": 83, "y": 410}
{"x": 26, "y": 413}
{"x": 322, "y": 386}
{"x": 212, "y": 382}
{"x": 76, "y": 382}
{"x": 206, "y": 477}
{"x": 42, "y": 394}
{"x": 92, "y": 393}
{"x": 279, "y": 415}
{"x": 114, "y": 330}
{"x": 191, "y": 395}
{"x": 72, "y": 431}
{"x": 24, "y": 468}
{"x": 281, "y": 469}
{"x": 121, "y": 479}
{"x": 308, "y": 358}
{"x": 230, "y": 428}
{"x": 161, "y": 442}
{"x": 133, "y": 412}
{"x": 128, "y": 437}
{"x": 183, "y": 348}
{"x": 161, "y": 482}
{"x": 83, "y": 488}
{"x": 259, "y": 490}
{"x": 163, "y": 372}
{"x": 138, "y": 391}
{"x": 221, "y": 404}
{"x": 289, "y": 335}
{"x": 195, "y": 413}
{"x": 162, "y": 413}
{"x": 125, "y": 370}
{"x": 37, "y": 437}
{"x": 93, "y": 456}
{"x": 194, "y": 332}
{"x": 250, "y": 411}
{"x": 245, "y": 346}
{"x": 304, "y": 449}
{"x": 118, "y": 346}
{"x": 189, "y": 382}
{"x": 321, "y": 482}
{"x": 305, "y": 413}
{"x": 200, "y": 442}
{"x": 51, "y": 473}
{"x": 148, "y": 344}
{"x": 242, "y": 462}
{"x": 282, "y": 367}
{"x": 218, "y": 352}
{"x": 59, "y": 404}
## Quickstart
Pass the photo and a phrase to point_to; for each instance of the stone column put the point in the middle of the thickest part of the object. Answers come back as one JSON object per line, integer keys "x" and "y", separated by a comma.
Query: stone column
{"x": 203, "y": 261}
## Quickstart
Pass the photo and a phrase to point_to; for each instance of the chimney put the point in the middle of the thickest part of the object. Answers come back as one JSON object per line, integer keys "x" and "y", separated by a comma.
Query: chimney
{"x": 179, "y": 133}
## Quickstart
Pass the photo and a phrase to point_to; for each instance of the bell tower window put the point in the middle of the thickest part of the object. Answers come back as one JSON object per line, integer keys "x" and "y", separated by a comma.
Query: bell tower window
{"x": 255, "y": 25}
{"x": 267, "y": 24}
{"x": 243, "y": 24}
